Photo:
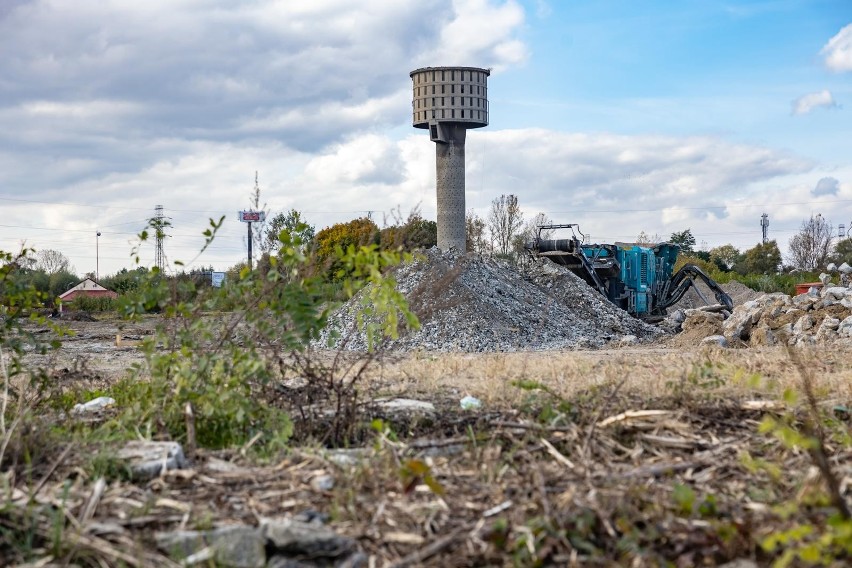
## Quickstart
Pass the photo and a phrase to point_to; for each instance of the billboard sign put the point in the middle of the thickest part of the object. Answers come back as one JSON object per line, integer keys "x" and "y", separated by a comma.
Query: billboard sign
{"x": 216, "y": 278}
{"x": 252, "y": 216}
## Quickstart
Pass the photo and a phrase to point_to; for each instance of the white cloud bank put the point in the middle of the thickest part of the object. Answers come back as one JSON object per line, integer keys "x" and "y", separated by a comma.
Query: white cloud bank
{"x": 838, "y": 50}
{"x": 807, "y": 103}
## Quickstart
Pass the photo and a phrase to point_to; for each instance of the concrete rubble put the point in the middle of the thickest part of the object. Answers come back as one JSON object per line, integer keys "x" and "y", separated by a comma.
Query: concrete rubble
{"x": 274, "y": 543}
{"x": 472, "y": 303}
{"x": 815, "y": 317}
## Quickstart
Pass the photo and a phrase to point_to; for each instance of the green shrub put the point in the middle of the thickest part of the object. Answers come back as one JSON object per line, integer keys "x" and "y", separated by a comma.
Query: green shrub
{"x": 215, "y": 376}
{"x": 93, "y": 304}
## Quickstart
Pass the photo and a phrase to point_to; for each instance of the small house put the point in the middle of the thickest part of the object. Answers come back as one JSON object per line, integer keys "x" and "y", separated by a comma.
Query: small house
{"x": 87, "y": 287}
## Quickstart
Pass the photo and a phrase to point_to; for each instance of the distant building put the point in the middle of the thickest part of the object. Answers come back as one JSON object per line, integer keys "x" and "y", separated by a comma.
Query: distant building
{"x": 87, "y": 287}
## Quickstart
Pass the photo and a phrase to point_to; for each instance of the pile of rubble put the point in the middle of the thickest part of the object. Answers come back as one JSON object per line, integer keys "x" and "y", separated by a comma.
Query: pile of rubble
{"x": 473, "y": 304}
{"x": 818, "y": 316}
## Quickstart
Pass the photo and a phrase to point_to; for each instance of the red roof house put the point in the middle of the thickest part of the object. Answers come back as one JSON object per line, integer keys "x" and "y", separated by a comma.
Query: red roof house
{"x": 87, "y": 287}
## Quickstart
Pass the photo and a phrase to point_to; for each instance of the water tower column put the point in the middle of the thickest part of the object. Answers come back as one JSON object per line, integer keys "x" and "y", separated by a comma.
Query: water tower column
{"x": 449, "y": 169}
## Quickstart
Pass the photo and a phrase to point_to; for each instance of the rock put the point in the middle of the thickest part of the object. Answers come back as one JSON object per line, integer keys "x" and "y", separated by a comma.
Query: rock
{"x": 830, "y": 323}
{"x": 236, "y": 546}
{"x": 803, "y": 324}
{"x": 322, "y": 483}
{"x": 844, "y": 329}
{"x": 831, "y": 267}
{"x": 93, "y": 405}
{"x": 835, "y": 292}
{"x": 678, "y": 316}
{"x": 844, "y": 268}
{"x": 718, "y": 340}
{"x": 762, "y": 335}
{"x": 824, "y": 278}
{"x": 739, "y": 325}
{"x": 294, "y": 538}
{"x": 148, "y": 459}
{"x": 406, "y": 405}
{"x": 346, "y": 457}
{"x": 806, "y": 300}
{"x": 628, "y": 340}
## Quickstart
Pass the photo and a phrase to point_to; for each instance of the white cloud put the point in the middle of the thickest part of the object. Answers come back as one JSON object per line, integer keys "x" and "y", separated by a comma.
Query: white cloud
{"x": 806, "y": 103}
{"x": 838, "y": 50}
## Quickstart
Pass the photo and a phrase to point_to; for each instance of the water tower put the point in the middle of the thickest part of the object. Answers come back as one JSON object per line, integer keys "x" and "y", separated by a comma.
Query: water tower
{"x": 448, "y": 101}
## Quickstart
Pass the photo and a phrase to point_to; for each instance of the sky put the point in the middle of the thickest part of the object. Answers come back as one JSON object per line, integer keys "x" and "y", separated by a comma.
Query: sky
{"x": 621, "y": 116}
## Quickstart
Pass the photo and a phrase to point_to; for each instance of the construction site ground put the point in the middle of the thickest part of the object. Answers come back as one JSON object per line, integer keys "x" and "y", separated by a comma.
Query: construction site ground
{"x": 642, "y": 455}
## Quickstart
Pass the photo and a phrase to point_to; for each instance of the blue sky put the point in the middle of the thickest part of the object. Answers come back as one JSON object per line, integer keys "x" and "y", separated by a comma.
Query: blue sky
{"x": 622, "y": 116}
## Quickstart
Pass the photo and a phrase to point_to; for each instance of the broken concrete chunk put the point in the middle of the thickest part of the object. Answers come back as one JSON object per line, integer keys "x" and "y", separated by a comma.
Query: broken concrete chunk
{"x": 93, "y": 405}
{"x": 295, "y": 538}
{"x": 845, "y": 327}
{"x": 406, "y": 405}
{"x": 715, "y": 340}
{"x": 148, "y": 459}
{"x": 237, "y": 546}
{"x": 803, "y": 324}
{"x": 835, "y": 292}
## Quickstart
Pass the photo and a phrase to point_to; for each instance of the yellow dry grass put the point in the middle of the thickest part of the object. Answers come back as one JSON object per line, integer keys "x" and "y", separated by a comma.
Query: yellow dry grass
{"x": 647, "y": 372}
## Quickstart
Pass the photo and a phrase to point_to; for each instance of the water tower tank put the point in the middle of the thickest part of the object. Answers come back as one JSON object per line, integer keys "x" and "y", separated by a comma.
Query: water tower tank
{"x": 447, "y": 101}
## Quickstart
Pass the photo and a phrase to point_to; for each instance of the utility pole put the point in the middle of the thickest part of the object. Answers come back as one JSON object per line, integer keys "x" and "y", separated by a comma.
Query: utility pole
{"x": 97, "y": 255}
{"x": 764, "y": 225}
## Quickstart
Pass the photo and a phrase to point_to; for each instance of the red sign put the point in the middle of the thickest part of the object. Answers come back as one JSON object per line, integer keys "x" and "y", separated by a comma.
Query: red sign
{"x": 252, "y": 216}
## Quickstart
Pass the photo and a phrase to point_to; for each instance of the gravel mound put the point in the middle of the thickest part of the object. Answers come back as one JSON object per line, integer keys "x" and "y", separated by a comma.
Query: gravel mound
{"x": 471, "y": 303}
{"x": 739, "y": 293}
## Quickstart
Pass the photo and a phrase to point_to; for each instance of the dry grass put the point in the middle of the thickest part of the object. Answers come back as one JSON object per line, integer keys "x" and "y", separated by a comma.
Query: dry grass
{"x": 644, "y": 372}
{"x": 599, "y": 483}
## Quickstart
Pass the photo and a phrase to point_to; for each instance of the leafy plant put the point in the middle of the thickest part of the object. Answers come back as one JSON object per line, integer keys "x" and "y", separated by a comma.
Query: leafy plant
{"x": 215, "y": 380}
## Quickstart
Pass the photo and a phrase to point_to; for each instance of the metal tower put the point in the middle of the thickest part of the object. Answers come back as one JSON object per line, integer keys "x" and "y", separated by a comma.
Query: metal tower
{"x": 764, "y": 225}
{"x": 448, "y": 101}
{"x": 159, "y": 257}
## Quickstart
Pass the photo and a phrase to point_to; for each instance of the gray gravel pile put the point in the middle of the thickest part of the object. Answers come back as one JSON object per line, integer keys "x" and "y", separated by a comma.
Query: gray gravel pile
{"x": 471, "y": 303}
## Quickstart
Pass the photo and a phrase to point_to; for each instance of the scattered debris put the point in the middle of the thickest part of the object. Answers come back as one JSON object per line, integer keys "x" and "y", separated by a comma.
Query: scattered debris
{"x": 147, "y": 459}
{"x": 93, "y": 405}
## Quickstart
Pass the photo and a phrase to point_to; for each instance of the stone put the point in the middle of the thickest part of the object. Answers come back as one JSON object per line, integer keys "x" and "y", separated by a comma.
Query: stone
{"x": 831, "y": 267}
{"x": 836, "y": 292}
{"x": 844, "y": 329}
{"x": 805, "y": 301}
{"x": 322, "y": 483}
{"x": 844, "y": 268}
{"x": 762, "y": 335}
{"x": 739, "y": 325}
{"x": 628, "y": 340}
{"x": 147, "y": 459}
{"x": 824, "y": 278}
{"x": 236, "y": 546}
{"x": 406, "y": 405}
{"x": 803, "y": 324}
{"x": 294, "y": 538}
{"x": 93, "y": 405}
{"x": 718, "y": 340}
{"x": 830, "y": 323}
{"x": 678, "y": 316}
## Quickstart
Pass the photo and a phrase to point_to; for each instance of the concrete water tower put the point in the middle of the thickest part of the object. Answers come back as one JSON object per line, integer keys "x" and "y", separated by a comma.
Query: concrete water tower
{"x": 448, "y": 101}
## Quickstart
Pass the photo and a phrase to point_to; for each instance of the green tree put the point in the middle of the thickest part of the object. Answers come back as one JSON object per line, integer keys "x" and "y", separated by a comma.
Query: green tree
{"x": 341, "y": 236}
{"x": 415, "y": 233}
{"x": 760, "y": 259}
{"x": 684, "y": 239}
{"x": 291, "y": 222}
{"x": 725, "y": 256}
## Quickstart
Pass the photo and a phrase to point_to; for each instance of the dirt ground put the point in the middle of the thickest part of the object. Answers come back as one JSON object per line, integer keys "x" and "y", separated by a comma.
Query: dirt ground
{"x": 634, "y": 456}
